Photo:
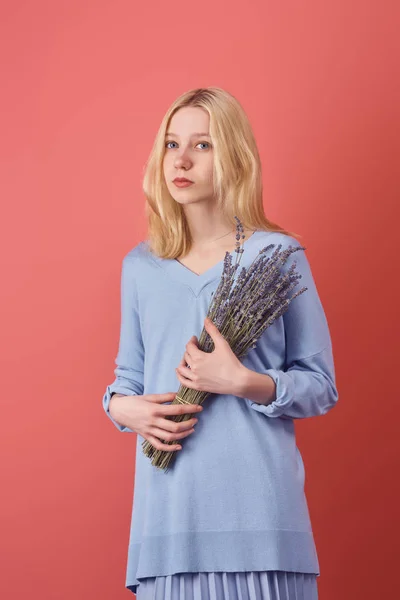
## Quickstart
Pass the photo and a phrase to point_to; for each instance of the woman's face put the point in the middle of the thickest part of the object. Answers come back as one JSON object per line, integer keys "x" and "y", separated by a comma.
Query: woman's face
{"x": 189, "y": 155}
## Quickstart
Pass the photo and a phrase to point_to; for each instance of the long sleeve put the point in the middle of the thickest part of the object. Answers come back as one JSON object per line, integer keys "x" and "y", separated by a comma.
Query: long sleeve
{"x": 305, "y": 385}
{"x": 130, "y": 357}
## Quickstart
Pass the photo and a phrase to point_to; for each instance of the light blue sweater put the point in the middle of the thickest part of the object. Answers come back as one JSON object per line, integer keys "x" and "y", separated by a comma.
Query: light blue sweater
{"x": 233, "y": 498}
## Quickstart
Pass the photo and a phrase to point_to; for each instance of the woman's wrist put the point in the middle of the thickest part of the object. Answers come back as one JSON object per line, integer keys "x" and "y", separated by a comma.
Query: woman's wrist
{"x": 111, "y": 404}
{"x": 258, "y": 387}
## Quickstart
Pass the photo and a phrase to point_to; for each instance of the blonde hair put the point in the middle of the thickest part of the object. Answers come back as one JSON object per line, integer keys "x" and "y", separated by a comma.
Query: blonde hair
{"x": 236, "y": 175}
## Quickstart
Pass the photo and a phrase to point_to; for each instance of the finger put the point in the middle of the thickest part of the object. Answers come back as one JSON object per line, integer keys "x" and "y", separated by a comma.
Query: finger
{"x": 179, "y": 409}
{"x": 160, "y": 446}
{"x": 170, "y": 436}
{"x": 185, "y": 372}
{"x": 185, "y": 360}
{"x": 176, "y": 426}
{"x": 159, "y": 398}
{"x": 188, "y": 357}
{"x": 193, "y": 349}
{"x": 191, "y": 382}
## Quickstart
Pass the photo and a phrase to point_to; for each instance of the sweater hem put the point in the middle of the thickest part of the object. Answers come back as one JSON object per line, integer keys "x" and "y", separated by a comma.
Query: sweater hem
{"x": 212, "y": 551}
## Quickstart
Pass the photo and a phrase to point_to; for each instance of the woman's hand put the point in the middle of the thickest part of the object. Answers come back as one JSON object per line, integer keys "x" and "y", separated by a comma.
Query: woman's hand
{"x": 147, "y": 416}
{"x": 217, "y": 372}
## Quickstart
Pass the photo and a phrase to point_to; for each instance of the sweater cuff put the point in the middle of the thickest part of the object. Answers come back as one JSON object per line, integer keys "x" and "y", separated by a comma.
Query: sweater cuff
{"x": 106, "y": 403}
{"x": 284, "y": 395}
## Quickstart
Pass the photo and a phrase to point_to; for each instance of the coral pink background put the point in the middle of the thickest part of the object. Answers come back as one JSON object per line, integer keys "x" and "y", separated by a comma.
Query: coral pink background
{"x": 84, "y": 88}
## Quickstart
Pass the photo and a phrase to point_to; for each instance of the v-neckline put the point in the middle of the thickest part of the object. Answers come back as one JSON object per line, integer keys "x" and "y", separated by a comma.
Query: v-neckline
{"x": 197, "y": 282}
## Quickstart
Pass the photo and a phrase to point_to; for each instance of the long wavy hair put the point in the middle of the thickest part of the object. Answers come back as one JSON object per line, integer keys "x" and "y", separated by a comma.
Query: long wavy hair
{"x": 236, "y": 174}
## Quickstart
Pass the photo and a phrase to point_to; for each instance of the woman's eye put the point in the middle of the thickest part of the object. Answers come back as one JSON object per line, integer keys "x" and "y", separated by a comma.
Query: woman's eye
{"x": 207, "y": 143}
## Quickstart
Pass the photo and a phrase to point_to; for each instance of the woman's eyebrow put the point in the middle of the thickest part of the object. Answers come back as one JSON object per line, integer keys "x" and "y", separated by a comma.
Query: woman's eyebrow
{"x": 193, "y": 134}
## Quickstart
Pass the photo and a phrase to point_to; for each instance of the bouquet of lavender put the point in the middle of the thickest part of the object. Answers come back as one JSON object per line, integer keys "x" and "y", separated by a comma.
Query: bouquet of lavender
{"x": 241, "y": 312}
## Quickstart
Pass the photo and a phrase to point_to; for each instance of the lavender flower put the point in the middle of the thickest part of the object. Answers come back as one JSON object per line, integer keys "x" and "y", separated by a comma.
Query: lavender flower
{"x": 242, "y": 309}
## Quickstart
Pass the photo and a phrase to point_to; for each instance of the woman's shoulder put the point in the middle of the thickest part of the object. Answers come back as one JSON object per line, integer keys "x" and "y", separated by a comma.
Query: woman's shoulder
{"x": 138, "y": 251}
{"x": 278, "y": 237}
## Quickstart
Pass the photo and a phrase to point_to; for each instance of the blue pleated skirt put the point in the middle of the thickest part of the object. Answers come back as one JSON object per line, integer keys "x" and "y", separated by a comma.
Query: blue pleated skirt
{"x": 244, "y": 585}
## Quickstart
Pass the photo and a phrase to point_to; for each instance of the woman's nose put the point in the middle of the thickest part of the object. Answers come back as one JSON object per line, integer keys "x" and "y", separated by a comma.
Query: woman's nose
{"x": 182, "y": 160}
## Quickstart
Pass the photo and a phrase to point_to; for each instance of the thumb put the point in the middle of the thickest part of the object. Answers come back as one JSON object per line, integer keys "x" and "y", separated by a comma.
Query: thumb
{"x": 213, "y": 331}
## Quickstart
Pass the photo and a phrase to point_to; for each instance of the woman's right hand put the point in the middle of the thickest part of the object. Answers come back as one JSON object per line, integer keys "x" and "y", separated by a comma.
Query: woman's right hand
{"x": 146, "y": 415}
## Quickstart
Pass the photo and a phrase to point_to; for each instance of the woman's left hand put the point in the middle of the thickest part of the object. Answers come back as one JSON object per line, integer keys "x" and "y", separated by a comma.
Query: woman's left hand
{"x": 217, "y": 372}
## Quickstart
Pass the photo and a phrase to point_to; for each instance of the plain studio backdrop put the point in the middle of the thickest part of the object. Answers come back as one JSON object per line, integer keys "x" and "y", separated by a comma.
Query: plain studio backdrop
{"x": 84, "y": 87}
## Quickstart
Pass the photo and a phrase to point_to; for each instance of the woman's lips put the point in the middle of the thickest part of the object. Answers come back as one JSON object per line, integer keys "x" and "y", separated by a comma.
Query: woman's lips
{"x": 182, "y": 184}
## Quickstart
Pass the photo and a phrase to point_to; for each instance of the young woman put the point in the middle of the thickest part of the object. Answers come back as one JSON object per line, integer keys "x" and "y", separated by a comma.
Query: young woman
{"x": 229, "y": 519}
